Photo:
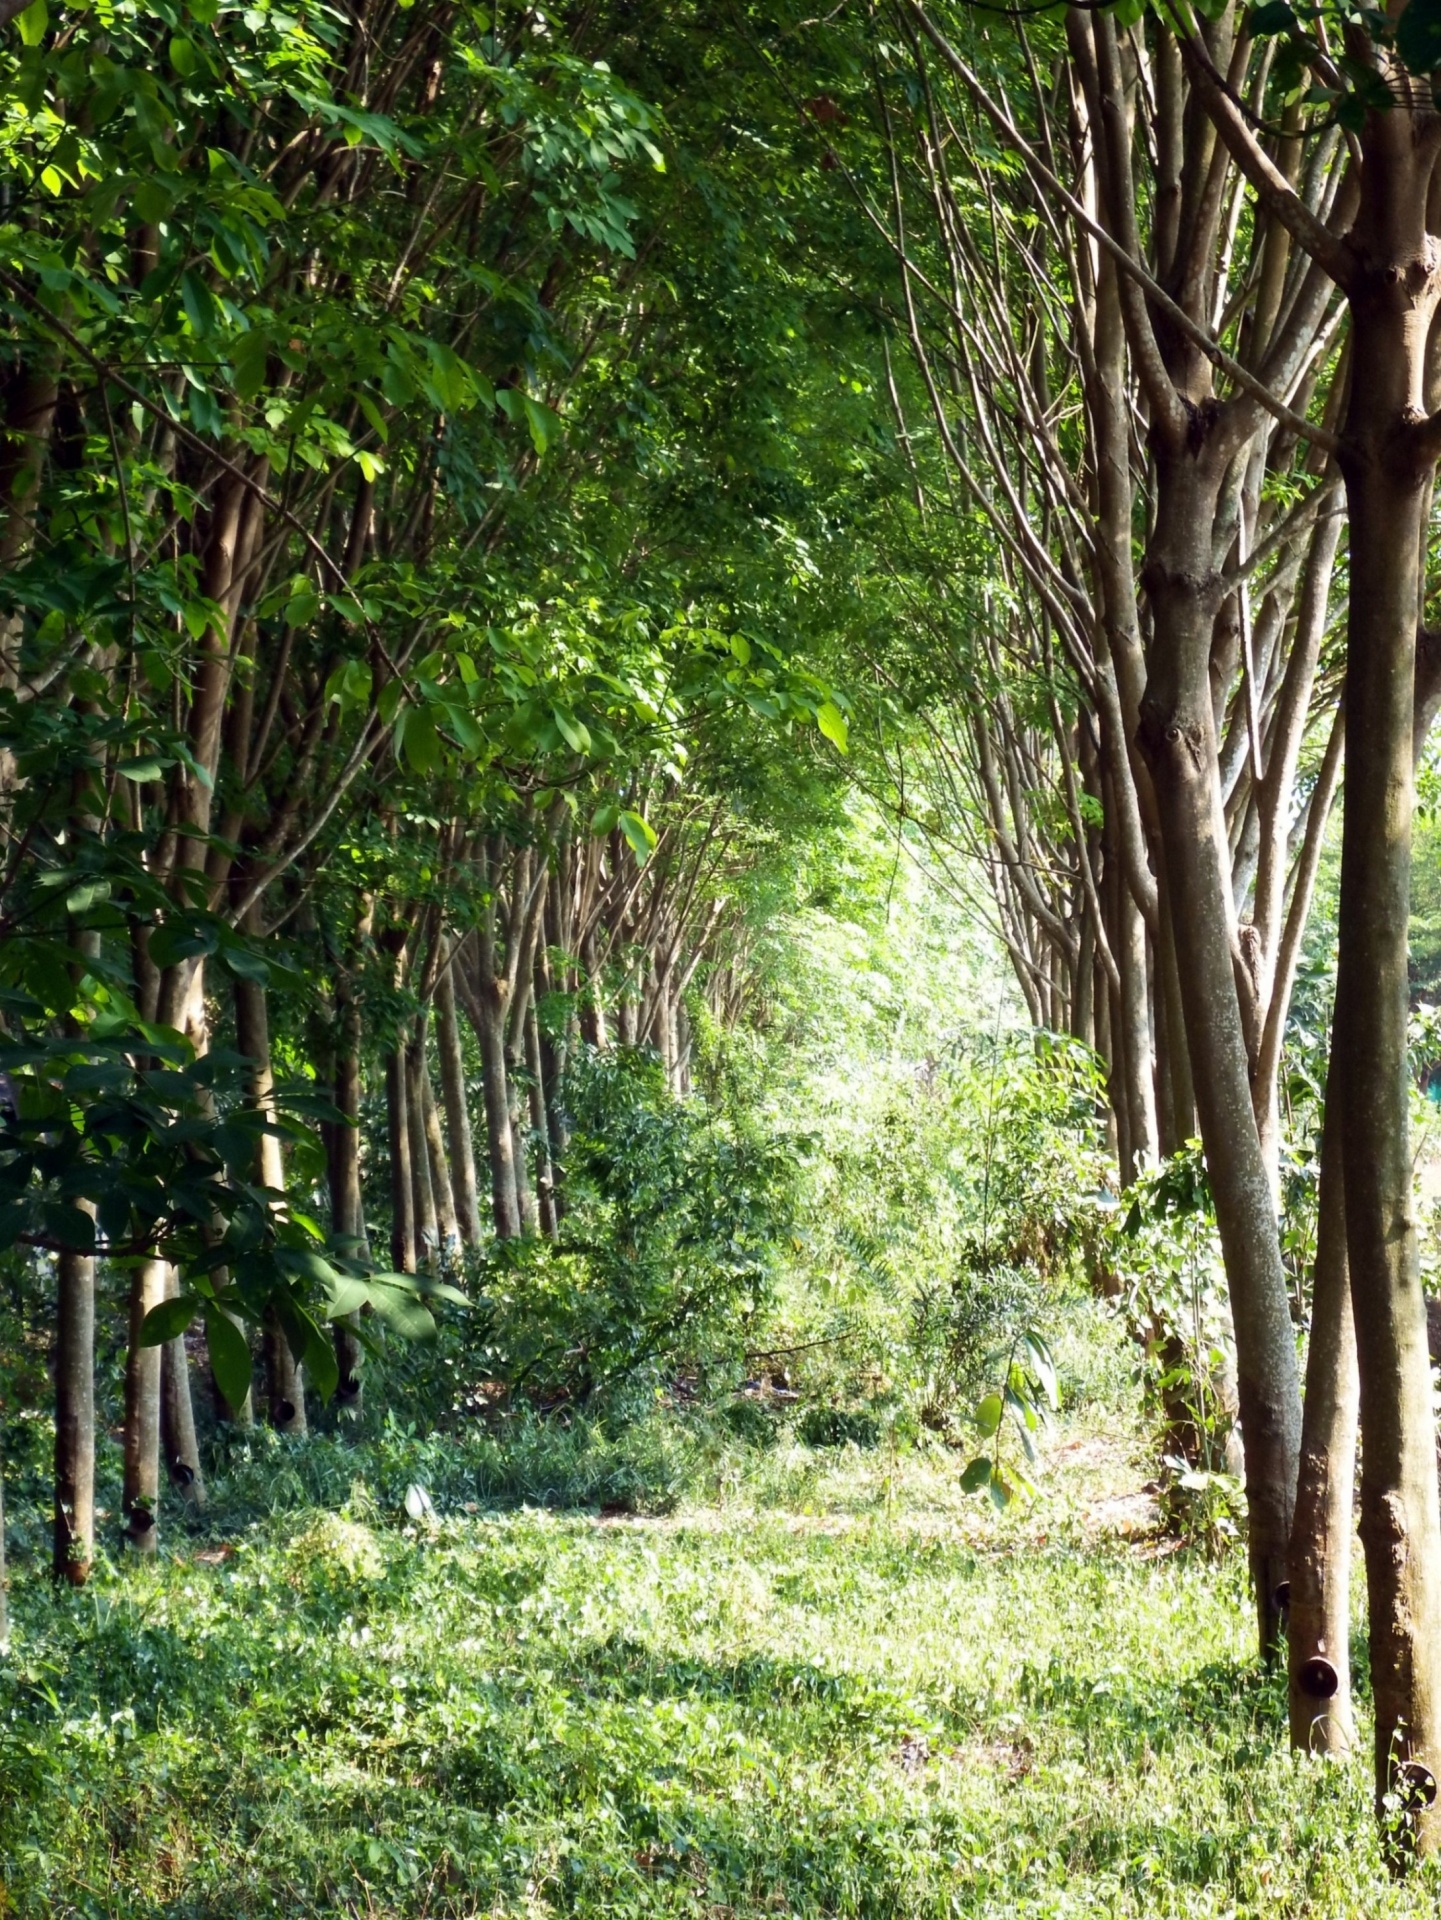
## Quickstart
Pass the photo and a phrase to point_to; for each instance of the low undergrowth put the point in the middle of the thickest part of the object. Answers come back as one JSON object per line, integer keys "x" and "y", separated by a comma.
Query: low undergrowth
{"x": 823, "y": 1683}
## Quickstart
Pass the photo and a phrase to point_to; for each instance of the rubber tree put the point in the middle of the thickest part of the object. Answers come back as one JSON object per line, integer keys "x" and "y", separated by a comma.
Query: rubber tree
{"x": 1387, "y": 262}
{"x": 1207, "y": 449}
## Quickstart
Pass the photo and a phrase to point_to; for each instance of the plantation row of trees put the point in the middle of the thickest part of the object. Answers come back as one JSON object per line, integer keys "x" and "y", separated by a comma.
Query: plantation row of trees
{"x": 326, "y": 635}
{"x": 481, "y": 486}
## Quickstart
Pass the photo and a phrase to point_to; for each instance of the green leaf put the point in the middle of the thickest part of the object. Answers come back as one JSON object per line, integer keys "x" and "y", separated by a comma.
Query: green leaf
{"x": 33, "y": 23}
{"x": 182, "y": 56}
{"x": 198, "y": 302}
{"x": 248, "y": 357}
{"x": 639, "y": 832}
{"x": 401, "y": 1310}
{"x": 573, "y": 732}
{"x": 346, "y": 1294}
{"x": 88, "y": 895}
{"x": 977, "y": 1475}
{"x": 415, "y": 734}
{"x": 229, "y": 1354}
{"x": 1418, "y": 36}
{"x": 988, "y": 1413}
{"x": 303, "y": 604}
{"x": 245, "y": 964}
{"x": 177, "y": 941}
{"x": 319, "y": 1358}
{"x": 832, "y": 723}
{"x": 543, "y": 422}
{"x": 1043, "y": 1367}
{"x": 169, "y": 1320}
{"x": 70, "y": 1227}
{"x": 1275, "y": 16}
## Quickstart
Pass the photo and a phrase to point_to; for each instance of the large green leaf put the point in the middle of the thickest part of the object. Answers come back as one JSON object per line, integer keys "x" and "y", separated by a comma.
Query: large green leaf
{"x": 169, "y": 1319}
{"x": 229, "y": 1354}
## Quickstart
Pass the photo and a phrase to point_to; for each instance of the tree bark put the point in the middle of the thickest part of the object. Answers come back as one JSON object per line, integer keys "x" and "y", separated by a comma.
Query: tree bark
{"x": 540, "y": 1126}
{"x": 457, "y": 1109}
{"x": 505, "y": 1206}
{"x": 347, "y": 1205}
{"x": 74, "y": 1534}
{"x": 427, "y": 1227}
{"x": 284, "y": 1383}
{"x": 1177, "y": 737}
{"x": 402, "y": 1190}
{"x": 177, "y": 1422}
{"x": 440, "y": 1182}
{"x": 1388, "y": 488}
{"x": 284, "y": 1380}
{"x": 140, "y": 1497}
{"x": 1319, "y": 1626}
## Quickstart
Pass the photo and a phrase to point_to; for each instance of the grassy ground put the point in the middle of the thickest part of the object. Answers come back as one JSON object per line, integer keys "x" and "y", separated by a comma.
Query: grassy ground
{"x": 833, "y": 1685}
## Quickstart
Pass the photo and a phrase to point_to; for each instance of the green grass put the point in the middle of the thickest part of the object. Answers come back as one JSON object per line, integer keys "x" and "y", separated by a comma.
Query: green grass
{"x": 823, "y": 1684}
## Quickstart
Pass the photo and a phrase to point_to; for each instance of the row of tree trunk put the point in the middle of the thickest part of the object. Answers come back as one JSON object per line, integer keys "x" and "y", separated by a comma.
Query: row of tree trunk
{"x": 549, "y": 945}
{"x": 1296, "y": 344}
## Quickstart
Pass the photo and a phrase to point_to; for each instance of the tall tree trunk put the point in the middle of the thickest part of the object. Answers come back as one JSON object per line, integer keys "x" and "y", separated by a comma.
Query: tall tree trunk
{"x": 427, "y": 1226}
{"x": 440, "y": 1182}
{"x": 457, "y": 1109}
{"x": 74, "y": 1535}
{"x": 1177, "y": 737}
{"x": 540, "y": 1126}
{"x": 1387, "y": 485}
{"x": 347, "y": 1204}
{"x": 499, "y": 1146}
{"x": 1389, "y": 265}
{"x": 284, "y": 1382}
{"x": 140, "y": 1495}
{"x": 402, "y": 1189}
{"x": 177, "y": 1422}
{"x": 1319, "y": 1628}
{"x": 73, "y": 1541}
{"x": 1132, "y": 1043}
{"x": 519, "y": 1109}
{"x": 593, "y": 1029}
{"x": 1178, "y": 1124}
{"x": 4, "y": 1574}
